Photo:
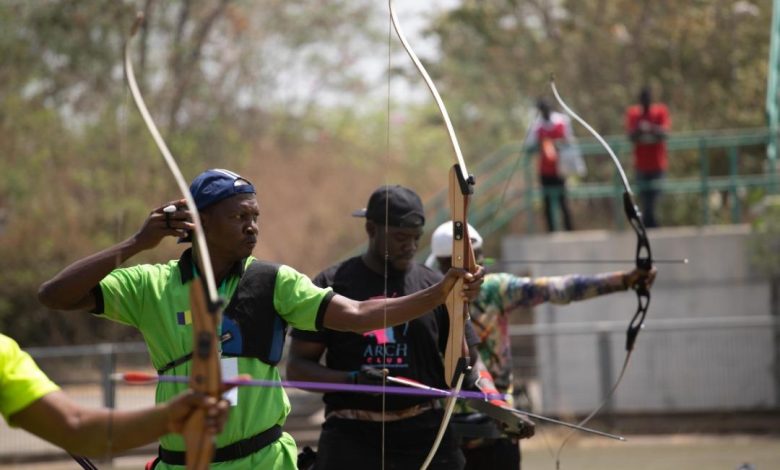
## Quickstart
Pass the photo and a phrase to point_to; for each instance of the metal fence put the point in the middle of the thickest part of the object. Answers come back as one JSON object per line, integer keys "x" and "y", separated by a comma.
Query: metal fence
{"x": 84, "y": 373}
{"x": 712, "y": 365}
{"x": 732, "y": 170}
{"x": 731, "y": 162}
{"x": 694, "y": 365}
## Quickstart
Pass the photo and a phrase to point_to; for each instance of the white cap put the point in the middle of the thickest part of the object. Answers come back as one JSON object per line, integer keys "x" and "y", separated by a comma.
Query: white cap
{"x": 441, "y": 240}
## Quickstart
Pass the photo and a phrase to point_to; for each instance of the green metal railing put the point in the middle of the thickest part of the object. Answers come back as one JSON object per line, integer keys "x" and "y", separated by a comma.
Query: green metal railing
{"x": 498, "y": 176}
{"x": 507, "y": 186}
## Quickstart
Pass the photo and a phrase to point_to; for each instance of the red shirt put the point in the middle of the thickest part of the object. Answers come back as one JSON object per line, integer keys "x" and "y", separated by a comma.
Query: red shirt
{"x": 546, "y": 136}
{"x": 649, "y": 156}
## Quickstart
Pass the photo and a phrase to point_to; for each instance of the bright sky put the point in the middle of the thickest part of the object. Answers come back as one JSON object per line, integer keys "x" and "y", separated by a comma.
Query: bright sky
{"x": 413, "y": 17}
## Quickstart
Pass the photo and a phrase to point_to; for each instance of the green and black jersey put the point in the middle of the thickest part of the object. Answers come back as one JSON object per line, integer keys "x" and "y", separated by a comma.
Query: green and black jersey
{"x": 156, "y": 300}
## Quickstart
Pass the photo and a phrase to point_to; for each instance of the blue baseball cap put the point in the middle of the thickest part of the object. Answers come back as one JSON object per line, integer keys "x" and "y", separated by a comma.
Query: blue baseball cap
{"x": 217, "y": 184}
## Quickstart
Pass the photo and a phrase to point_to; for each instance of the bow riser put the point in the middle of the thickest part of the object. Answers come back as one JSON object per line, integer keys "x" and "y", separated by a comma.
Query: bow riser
{"x": 644, "y": 257}
{"x": 644, "y": 261}
{"x": 456, "y": 352}
{"x": 205, "y": 376}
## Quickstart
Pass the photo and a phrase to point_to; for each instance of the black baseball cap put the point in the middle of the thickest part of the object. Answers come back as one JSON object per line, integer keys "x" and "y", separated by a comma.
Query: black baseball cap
{"x": 404, "y": 207}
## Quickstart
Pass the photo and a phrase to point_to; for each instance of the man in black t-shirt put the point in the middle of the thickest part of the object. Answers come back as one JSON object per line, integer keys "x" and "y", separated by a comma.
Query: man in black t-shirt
{"x": 362, "y": 430}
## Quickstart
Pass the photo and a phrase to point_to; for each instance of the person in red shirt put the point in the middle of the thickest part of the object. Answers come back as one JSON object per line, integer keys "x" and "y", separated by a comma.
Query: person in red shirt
{"x": 647, "y": 124}
{"x": 548, "y": 133}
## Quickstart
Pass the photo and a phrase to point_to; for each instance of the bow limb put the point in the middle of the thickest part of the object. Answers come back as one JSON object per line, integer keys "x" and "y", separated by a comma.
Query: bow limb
{"x": 435, "y": 92}
{"x": 643, "y": 260}
{"x": 204, "y": 301}
{"x": 461, "y": 187}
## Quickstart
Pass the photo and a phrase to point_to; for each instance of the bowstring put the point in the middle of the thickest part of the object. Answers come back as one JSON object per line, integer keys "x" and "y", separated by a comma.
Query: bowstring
{"x": 387, "y": 204}
{"x": 119, "y": 223}
{"x": 593, "y": 413}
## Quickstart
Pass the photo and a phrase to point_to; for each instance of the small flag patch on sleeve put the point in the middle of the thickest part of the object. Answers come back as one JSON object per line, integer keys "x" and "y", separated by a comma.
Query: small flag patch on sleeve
{"x": 184, "y": 318}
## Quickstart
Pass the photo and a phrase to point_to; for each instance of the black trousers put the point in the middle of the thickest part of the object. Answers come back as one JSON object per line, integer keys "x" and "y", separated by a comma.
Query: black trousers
{"x": 494, "y": 454}
{"x": 648, "y": 195}
{"x": 554, "y": 191}
{"x": 348, "y": 444}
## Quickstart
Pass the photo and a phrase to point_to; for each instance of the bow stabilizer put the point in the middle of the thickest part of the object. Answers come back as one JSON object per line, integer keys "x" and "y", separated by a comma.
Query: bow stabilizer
{"x": 500, "y": 411}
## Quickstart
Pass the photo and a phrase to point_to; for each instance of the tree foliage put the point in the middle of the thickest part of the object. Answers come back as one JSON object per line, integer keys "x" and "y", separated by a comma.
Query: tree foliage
{"x": 279, "y": 91}
{"x": 706, "y": 59}
{"x": 79, "y": 171}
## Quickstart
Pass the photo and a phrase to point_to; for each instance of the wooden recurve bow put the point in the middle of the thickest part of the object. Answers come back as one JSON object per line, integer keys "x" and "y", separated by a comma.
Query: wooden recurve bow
{"x": 461, "y": 187}
{"x": 205, "y": 305}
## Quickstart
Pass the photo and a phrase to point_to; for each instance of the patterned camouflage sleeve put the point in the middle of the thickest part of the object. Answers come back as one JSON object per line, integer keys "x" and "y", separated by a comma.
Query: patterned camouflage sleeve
{"x": 508, "y": 291}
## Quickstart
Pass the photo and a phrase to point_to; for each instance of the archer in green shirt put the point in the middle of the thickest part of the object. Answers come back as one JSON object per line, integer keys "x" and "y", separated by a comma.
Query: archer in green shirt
{"x": 154, "y": 299}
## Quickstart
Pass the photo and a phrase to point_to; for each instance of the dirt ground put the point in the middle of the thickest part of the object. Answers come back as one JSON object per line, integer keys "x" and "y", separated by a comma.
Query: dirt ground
{"x": 668, "y": 452}
{"x": 674, "y": 445}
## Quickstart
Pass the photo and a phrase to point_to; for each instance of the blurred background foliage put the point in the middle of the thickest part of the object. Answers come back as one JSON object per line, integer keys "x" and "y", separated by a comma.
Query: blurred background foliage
{"x": 294, "y": 94}
{"x": 706, "y": 59}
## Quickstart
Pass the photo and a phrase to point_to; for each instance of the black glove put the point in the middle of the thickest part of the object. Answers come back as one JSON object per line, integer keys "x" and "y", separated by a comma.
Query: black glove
{"x": 306, "y": 459}
{"x": 525, "y": 429}
{"x": 368, "y": 376}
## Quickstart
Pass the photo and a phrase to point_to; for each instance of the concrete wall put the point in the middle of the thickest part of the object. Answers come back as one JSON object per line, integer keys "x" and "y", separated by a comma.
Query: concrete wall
{"x": 705, "y": 364}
